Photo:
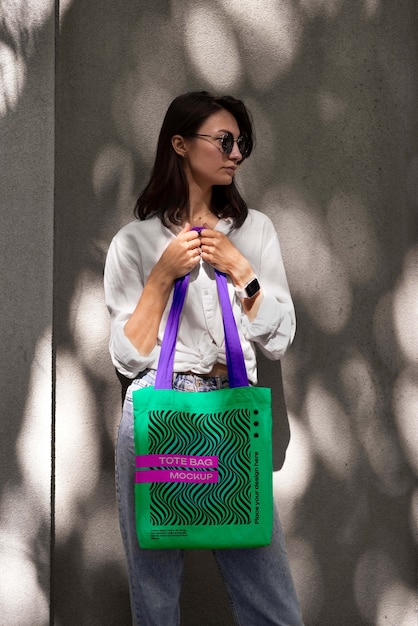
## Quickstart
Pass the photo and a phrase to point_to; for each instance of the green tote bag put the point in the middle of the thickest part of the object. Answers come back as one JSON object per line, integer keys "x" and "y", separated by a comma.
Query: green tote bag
{"x": 203, "y": 474}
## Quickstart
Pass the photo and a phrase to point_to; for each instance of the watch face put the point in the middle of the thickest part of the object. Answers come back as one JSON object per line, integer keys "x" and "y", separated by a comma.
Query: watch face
{"x": 252, "y": 288}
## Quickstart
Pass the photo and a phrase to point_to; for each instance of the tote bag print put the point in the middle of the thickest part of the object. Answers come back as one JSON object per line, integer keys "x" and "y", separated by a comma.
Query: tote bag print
{"x": 204, "y": 470}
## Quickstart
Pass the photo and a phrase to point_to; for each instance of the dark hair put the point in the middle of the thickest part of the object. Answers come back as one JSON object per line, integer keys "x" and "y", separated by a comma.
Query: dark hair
{"x": 167, "y": 192}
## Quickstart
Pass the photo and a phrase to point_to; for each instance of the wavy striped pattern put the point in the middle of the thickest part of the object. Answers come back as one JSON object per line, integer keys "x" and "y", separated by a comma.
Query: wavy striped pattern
{"x": 225, "y": 434}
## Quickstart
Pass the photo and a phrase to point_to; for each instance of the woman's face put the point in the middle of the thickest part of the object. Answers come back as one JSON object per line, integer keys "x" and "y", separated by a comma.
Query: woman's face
{"x": 205, "y": 163}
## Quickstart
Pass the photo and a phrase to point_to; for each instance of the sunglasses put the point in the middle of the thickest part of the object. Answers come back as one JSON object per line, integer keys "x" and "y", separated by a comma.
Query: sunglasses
{"x": 227, "y": 142}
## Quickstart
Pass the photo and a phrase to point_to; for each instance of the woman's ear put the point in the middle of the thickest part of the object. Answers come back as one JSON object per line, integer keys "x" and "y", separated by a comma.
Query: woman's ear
{"x": 179, "y": 145}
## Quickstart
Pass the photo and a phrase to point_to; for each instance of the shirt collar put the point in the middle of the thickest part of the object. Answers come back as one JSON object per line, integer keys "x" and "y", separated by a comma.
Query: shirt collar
{"x": 224, "y": 225}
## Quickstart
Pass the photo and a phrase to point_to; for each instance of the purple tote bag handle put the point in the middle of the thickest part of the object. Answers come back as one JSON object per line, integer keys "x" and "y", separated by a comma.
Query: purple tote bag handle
{"x": 237, "y": 372}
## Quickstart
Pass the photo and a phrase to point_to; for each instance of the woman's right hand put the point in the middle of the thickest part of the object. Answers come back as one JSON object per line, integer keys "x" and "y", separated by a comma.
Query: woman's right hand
{"x": 178, "y": 259}
{"x": 181, "y": 255}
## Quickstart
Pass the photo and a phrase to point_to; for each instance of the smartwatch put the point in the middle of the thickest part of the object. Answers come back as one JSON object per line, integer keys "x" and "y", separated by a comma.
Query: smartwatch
{"x": 250, "y": 289}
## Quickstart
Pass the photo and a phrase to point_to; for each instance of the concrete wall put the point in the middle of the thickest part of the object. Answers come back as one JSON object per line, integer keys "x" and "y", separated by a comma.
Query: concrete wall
{"x": 332, "y": 87}
{"x": 26, "y": 288}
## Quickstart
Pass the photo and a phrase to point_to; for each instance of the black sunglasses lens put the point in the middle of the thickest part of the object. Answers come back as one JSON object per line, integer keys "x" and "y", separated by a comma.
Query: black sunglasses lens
{"x": 227, "y": 143}
{"x": 242, "y": 145}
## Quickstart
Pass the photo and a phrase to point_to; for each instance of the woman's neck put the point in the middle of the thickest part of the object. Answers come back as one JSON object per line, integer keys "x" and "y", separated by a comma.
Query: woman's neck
{"x": 200, "y": 203}
{"x": 197, "y": 215}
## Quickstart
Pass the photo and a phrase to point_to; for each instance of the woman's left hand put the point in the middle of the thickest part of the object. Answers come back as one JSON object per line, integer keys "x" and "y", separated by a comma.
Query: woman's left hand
{"x": 218, "y": 251}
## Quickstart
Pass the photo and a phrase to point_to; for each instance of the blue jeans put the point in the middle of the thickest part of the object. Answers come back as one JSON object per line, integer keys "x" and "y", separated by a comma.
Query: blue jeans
{"x": 258, "y": 580}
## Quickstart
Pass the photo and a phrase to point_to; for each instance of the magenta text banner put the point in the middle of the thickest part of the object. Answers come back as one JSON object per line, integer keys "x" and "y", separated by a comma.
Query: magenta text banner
{"x": 175, "y": 476}
{"x": 176, "y": 460}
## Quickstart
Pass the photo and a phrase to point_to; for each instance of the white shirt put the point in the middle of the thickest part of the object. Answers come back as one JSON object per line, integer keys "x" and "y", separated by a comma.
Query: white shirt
{"x": 133, "y": 253}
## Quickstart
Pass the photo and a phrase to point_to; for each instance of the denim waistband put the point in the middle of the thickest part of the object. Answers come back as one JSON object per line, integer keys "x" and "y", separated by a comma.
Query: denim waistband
{"x": 188, "y": 381}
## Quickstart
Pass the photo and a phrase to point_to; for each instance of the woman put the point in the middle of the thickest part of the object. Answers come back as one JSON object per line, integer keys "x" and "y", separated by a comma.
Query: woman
{"x": 202, "y": 141}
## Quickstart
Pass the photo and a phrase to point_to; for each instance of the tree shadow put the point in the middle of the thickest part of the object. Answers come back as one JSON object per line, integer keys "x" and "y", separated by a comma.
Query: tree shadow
{"x": 26, "y": 241}
{"x": 320, "y": 157}
{"x": 326, "y": 121}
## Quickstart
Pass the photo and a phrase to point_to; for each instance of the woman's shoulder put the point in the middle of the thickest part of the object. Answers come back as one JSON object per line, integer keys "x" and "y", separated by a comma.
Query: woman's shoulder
{"x": 138, "y": 229}
{"x": 138, "y": 238}
{"x": 257, "y": 219}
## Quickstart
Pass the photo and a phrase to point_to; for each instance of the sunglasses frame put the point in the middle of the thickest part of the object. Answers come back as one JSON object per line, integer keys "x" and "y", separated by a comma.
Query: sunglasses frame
{"x": 227, "y": 142}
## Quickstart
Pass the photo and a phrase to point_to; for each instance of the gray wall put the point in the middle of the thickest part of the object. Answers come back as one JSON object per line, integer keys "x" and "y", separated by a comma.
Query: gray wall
{"x": 26, "y": 283}
{"x": 332, "y": 87}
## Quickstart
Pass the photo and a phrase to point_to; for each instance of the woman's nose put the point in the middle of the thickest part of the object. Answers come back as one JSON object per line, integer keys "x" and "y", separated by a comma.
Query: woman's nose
{"x": 235, "y": 154}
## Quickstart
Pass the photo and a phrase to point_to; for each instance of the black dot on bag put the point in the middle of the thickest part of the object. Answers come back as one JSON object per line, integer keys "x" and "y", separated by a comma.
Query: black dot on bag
{"x": 255, "y": 411}
{"x": 256, "y": 423}
{"x": 256, "y": 435}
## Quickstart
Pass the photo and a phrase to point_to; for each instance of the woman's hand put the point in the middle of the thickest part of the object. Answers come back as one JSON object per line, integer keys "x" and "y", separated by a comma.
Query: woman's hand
{"x": 181, "y": 255}
{"x": 178, "y": 259}
{"x": 218, "y": 251}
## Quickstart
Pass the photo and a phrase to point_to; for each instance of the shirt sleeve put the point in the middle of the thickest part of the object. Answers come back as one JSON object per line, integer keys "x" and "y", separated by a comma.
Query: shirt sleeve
{"x": 123, "y": 286}
{"x": 273, "y": 328}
